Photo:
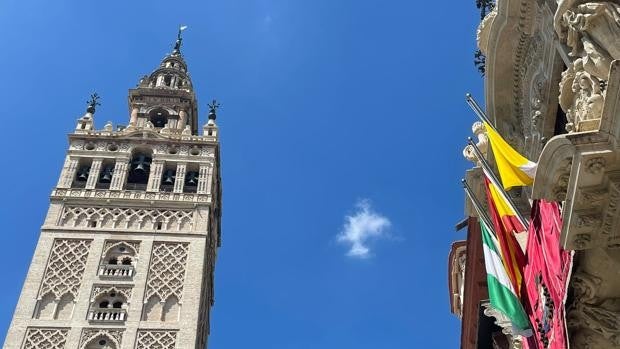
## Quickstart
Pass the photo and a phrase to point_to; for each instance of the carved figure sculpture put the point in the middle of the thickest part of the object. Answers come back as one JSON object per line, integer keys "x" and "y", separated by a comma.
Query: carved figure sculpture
{"x": 592, "y": 31}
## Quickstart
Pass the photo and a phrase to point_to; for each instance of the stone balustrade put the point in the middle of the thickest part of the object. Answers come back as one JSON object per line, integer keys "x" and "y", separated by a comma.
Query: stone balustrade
{"x": 116, "y": 271}
{"x": 107, "y": 315}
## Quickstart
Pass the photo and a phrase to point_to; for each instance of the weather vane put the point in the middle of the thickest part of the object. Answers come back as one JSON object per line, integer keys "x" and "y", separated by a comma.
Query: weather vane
{"x": 93, "y": 102}
{"x": 177, "y": 45}
{"x": 213, "y": 106}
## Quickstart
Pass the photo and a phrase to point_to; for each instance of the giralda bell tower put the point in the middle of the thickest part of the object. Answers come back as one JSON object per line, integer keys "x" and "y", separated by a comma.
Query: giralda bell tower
{"x": 127, "y": 250}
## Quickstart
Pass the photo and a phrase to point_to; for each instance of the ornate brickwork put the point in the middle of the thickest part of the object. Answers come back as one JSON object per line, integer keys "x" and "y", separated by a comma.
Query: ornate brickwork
{"x": 126, "y": 218}
{"x": 167, "y": 270}
{"x": 65, "y": 268}
{"x": 153, "y": 339}
{"x": 45, "y": 338}
{"x": 112, "y": 336}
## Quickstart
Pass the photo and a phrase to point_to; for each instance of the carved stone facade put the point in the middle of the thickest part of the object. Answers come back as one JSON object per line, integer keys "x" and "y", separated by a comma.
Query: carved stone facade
{"x": 154, "y": 339}
{"x": 133, "y": 208}
{"x": 126, "y": 218}
{"x": 552, "y": 89}
{"x": 49, "y": 338}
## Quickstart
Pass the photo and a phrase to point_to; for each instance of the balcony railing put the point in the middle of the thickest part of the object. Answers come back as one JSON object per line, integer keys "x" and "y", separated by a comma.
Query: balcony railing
{"x": 116, "y": 270}
{"x": 107, "y": 315}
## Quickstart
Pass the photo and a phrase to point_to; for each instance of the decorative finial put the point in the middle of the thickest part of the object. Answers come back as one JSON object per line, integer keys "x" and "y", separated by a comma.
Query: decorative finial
{"x": 213, "y": 106}
{"x": 177, "y": 45}
{"x": 93, "y": 103}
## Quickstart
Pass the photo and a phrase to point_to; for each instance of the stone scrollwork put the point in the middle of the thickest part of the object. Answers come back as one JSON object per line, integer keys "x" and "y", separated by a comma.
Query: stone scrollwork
{"x": 595, "y": 165}
{"x": 482, "y": 143}
{"x": 585, "y": 286}
{"x": 591, "y": 30}
{"x": 602, "y": 319}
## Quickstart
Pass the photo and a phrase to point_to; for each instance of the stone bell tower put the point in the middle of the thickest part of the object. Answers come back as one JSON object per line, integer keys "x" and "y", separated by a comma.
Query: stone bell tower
{"x": 127, "y": 252}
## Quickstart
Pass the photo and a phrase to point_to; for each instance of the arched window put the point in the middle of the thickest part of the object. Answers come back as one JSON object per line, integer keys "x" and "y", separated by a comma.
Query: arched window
{"x": 118, "y": 261}
{"x": 167, "y": 80}
{"x": 82, "y": 173}
{"x": 159, "y": 117}
{"x": 105, "y": 175}
{"x": 169, "y": 177}
{"x": 100, "y": 342}
{"x": 108, "y": 306}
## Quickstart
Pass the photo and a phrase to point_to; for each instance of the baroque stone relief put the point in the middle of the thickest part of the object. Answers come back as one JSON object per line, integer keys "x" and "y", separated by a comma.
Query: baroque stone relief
{"x": 591, "y": 30}
{"x": 593, "y": 317}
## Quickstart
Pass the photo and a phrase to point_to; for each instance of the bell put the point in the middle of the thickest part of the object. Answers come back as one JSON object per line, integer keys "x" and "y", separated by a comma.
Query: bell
{"x": 191, "y": 178}
{"x": 168, "y": 177}
{"x": 106, "y": 175}
{"x": 82, "y": 175}
{"x": 141, "y": 164}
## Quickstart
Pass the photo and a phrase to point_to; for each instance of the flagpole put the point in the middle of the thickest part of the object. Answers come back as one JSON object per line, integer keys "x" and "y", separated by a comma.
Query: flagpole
{"x": 477, "y": 205}
{"x": 487, "y": 170}
{"x": 477, "y": 110}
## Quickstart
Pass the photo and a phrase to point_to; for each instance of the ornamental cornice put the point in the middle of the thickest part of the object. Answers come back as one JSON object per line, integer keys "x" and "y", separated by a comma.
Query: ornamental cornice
{"x": 142, "y": 135}
{"x": 521, "y": 70}
{"x": 131, "y": 196}
{"x": 190, "y": 152}
{"x": 483, "y": 31}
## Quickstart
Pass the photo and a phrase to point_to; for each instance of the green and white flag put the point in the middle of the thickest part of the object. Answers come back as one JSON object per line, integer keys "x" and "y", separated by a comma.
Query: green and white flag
{"x": 501, "y": 293}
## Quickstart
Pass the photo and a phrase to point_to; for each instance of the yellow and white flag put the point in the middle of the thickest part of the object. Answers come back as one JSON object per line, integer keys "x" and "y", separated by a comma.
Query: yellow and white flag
{"x": 514, "y": 169}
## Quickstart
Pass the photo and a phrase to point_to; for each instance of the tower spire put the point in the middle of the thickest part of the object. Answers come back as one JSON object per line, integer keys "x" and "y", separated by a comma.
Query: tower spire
{"x": 178, "y": 43}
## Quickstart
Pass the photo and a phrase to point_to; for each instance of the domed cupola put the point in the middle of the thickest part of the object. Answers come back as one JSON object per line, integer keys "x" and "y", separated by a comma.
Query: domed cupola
{"x": 165, "y": 99}
{"x": 171, "y": 74}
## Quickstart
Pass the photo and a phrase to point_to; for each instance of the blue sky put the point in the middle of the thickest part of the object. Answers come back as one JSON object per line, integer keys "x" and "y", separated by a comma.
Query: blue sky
{"x": 342, "y": 122}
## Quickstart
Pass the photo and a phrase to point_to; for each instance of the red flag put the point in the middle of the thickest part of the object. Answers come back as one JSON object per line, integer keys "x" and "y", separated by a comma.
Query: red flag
{"x": 545, "y": 277}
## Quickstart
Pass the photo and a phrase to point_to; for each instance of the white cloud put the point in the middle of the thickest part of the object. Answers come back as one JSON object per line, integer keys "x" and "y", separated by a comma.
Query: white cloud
{"x": 362, "y": 226}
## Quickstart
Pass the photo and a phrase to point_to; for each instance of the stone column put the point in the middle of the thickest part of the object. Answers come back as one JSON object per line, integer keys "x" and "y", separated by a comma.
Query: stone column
{"x": 93, "y": 175}
{"x": 134, "y": 116}
{"x": 120, "y": 174}
{"x": 203, "y": 179}
{"x": 68, "y": 172}
{"x": 179, "y": 181}
{"x": 210, "y": 180}
{"x": 157, "y": 168}
{"x": 182, "y": 119}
